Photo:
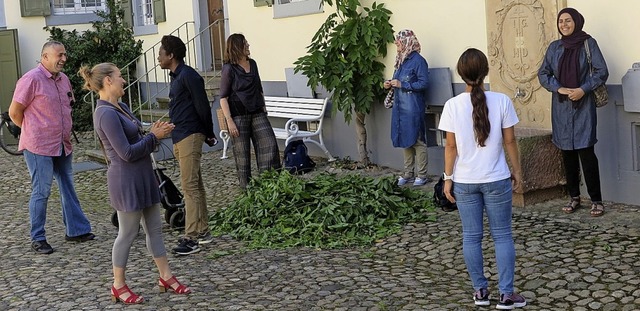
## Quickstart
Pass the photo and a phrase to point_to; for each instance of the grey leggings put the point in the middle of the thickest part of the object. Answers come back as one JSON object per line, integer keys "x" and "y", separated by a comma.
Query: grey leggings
{"x": 129, "y": 223}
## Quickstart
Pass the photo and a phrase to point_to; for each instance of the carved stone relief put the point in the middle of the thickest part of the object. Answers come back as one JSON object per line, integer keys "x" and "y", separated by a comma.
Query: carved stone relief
{"x": 519, "y": 32}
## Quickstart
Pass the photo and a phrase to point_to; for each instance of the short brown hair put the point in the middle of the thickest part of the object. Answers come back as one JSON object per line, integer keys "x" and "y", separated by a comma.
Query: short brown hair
{"x": 235, "y": 48}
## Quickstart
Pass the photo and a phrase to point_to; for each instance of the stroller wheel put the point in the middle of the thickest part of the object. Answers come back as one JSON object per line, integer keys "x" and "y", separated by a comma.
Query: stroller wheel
{"x": 114, "y": 220}
{"x": 168, "y": 213}
{"x": 177, "y": 220}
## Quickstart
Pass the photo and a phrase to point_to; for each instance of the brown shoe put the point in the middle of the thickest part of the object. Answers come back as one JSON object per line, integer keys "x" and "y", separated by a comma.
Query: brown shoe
{"x": 572, "y": 206}
{"x": 597, "y": 209}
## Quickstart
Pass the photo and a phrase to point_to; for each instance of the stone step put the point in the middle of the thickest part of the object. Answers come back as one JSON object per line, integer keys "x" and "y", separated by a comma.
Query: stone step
{"x": 163, "y": 102}
{"x": 154, "y": 115}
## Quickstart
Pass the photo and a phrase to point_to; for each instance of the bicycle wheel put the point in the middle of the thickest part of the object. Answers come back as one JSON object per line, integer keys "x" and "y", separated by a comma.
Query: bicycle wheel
{"x": 8, "y": 141}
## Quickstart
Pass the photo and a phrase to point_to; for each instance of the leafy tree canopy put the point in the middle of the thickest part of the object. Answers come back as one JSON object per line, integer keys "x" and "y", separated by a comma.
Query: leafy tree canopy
{"x": 344, "y": 55}
{"x": 109, "y": 40}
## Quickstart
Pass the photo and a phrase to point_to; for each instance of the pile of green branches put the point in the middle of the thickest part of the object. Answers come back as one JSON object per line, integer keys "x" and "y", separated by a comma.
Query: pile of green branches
{"x": 280, "y": 210}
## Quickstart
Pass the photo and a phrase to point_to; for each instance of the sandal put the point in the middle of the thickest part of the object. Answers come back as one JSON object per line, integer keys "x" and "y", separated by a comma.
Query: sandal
{"x": 572, "y": 206}
{"x": 174, "y": 285}
{"x": 597, "y": 209}
{"x": 120, "y": 293}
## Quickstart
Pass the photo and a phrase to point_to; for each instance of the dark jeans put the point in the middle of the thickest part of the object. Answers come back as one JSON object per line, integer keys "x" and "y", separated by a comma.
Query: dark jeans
{"x": 572, "y": 160}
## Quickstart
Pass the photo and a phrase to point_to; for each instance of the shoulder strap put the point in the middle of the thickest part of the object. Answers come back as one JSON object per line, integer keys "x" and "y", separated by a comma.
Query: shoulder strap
{"x": 586, "y": 49}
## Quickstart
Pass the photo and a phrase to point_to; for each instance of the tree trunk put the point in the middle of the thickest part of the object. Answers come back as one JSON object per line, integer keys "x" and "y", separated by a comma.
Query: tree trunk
{"x": 361, "y": 134}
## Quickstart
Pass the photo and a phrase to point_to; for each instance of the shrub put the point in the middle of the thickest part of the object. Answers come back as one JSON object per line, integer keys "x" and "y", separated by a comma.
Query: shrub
{"x": 109, "y": 40}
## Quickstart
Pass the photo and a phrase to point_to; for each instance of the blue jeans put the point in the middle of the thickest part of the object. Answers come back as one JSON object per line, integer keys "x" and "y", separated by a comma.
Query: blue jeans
{"x": 42, "y": 170}
{"x": 495, "y": 198}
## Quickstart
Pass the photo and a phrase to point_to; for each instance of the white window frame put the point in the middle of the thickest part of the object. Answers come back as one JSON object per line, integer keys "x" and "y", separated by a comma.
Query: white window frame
{"x": 78, "y": 8}
{"x": 289, "y": 8}
{"x": 143, "y": 13}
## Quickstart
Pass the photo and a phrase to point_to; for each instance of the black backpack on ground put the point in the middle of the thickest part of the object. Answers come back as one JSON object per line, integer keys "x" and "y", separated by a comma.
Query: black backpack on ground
{"x": 440, "y": 200}
{"x": 296, "y": 158}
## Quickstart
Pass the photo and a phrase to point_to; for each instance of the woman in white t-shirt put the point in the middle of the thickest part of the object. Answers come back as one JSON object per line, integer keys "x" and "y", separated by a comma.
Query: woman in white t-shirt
{"x": 477, "y": 124}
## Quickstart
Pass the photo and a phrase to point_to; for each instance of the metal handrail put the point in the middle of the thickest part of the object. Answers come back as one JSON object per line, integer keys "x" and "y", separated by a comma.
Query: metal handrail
{"x": 140, "y": 90}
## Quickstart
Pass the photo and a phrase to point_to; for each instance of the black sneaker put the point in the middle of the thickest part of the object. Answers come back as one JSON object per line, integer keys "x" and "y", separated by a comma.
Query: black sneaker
{"x": 481, "y": 297}
{"x": 186, "y": 246}
{"x": 41, "y": 247}
{"x": 80, "y": 238}
{"x": 205, "y": 238}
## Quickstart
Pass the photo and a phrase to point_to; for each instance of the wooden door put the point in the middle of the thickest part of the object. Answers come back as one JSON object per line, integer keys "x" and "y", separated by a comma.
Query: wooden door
{"x": 519, "y": 32}
{"x": 216, "y": 19}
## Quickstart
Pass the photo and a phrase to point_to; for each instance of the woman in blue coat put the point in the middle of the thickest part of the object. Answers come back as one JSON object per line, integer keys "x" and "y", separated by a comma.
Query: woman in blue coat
{"x": 407, "y": 90}
{"x": 565, "y": 73}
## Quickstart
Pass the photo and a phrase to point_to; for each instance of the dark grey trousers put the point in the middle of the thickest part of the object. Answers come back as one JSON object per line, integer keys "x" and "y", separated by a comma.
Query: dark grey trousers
{"x": 256, "y": 129}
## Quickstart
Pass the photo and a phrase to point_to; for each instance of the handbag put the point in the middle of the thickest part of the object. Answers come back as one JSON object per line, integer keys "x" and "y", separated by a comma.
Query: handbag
{"x": 440, "y": 200}
{"x": 600, "y": 93}
{"x": 388, "y": 100}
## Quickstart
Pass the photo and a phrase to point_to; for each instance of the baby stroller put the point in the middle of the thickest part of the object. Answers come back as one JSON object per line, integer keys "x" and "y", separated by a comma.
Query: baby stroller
{"x": 171, "y": 198}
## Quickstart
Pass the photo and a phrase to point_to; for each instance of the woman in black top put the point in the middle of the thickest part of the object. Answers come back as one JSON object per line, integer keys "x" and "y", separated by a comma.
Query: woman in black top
{"x": 242, "y": 101}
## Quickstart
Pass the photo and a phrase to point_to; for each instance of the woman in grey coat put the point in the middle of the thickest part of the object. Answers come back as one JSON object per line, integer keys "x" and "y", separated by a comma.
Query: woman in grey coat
{"x": 565, "y": 73}
{"x": 133, "y": 189}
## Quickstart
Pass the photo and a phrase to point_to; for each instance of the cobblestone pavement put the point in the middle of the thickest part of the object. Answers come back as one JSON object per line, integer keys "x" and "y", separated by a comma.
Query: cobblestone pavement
{"x": 564, "y": 262}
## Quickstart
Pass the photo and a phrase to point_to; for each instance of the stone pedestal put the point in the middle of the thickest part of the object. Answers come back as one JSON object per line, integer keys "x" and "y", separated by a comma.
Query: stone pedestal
{"x": 542, "y": 169}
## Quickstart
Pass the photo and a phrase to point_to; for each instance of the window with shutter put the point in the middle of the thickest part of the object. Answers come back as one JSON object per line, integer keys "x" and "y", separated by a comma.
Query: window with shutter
{"x": 66, "y": 7}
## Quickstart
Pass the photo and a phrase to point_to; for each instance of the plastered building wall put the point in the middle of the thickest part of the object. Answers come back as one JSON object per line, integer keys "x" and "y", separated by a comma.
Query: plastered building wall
{"x": 445, "y": 29}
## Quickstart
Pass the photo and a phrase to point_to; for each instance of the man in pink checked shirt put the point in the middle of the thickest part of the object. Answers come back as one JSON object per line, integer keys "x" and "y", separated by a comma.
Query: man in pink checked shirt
{"x": 41, "y": 106}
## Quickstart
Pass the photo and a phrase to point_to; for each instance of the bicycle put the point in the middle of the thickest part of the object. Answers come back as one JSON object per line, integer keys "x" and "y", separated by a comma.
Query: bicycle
{"x": 9, "y": 135}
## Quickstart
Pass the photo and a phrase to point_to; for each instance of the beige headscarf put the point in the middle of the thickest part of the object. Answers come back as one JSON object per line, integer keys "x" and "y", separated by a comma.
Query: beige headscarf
{"x": 409, "y": 42}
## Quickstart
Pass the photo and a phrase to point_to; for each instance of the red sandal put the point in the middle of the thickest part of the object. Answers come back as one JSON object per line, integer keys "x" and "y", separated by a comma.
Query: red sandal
{"x": 132, "y": 299}
{"x": 180, "y": 289}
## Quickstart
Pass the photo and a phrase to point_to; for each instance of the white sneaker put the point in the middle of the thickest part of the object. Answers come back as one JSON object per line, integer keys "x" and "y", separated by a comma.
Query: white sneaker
{"x": 404, "y": 181}
{"x": 421, "y": 181}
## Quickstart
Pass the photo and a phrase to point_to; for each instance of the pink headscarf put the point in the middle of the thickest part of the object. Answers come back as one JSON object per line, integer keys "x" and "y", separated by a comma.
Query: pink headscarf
{"x": 409, "y": 43}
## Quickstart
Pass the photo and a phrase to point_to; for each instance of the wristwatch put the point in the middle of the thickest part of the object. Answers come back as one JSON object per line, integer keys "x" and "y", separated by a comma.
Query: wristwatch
{"x": 447, "y": 177}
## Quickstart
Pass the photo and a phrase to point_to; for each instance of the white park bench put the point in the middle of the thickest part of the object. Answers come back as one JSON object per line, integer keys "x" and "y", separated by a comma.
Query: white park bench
{"x": 297, "y": 111}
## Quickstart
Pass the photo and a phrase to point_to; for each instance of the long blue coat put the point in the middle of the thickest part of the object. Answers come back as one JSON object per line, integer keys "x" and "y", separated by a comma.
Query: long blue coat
{"x": 573, "y": 126}
{"x": 408, "y": 113}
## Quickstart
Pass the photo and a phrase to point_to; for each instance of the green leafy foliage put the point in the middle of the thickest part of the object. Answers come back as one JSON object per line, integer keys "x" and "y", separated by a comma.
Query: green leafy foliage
{"x": 344, "y": 55}
{"x": 109, "y": 40}
{"x": 280, "y": 210}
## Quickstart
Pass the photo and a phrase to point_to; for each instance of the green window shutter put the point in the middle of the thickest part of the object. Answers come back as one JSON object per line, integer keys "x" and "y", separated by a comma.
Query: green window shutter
{"x": 159, "y": 12}
{"x": 35, "y": 7}
{"x": 262, "y": 2}
{"x": 128, "y": 12}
